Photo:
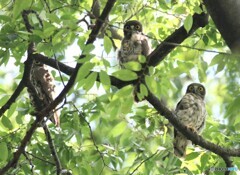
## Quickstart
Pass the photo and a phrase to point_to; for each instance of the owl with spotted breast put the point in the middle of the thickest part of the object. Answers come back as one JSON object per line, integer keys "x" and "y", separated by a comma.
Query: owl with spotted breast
{"x": 43, "y": 83}
{"x": 191, "y": 112}
{"x": 134, "y": 43}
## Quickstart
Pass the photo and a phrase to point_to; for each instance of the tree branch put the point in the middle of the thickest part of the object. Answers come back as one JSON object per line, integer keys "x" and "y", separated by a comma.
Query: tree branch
{"x": 199, "y": 20}
{"x": 90, "y": 40}
{"x": 195, "y": 138}
{"x": 21, "y": 148}
{"x": 52, "y": 149}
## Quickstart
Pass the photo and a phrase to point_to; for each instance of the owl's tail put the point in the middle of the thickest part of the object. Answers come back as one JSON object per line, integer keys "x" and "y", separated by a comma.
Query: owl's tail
{"x": 180, "y": 144}
{"x": 55, "y": 119}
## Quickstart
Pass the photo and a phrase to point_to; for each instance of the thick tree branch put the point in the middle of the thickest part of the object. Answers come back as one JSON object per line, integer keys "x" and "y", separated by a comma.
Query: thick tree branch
{"x": 195, "y": 138}
{"x": 21, "y": 148}
{"x": 228, "y": 163}
{"x": 54, "y": 64}
{"x": 13, "y": 98}
{"x": 226, "y": 20}
{"x": 90, "y": 40}
{"x": 199, "y": 20}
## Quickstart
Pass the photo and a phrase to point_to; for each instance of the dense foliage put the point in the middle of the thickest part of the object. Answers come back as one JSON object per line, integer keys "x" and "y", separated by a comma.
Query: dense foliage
{"x": 103, "y": 131}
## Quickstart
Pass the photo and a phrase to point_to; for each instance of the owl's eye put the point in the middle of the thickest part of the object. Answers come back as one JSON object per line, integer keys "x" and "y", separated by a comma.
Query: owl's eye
{"x": 127, "y": 27}
{"x": 201, "y": 89}
{"x": 191, "y": 88}
{"x": 137, "y": 27}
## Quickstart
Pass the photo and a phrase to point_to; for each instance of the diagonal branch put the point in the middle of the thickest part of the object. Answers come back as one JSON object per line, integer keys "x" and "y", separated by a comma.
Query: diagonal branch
{"x": 52, "y": 149}
{"x": 199, "y": 20}
{"x": 43, "y": 113}
{"x": 225, "y": 153}
{"x": 107, "y": 9}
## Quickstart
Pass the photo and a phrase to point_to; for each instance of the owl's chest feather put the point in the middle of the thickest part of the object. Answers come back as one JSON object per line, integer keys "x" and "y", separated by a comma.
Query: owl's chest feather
{"x": 132, "y": 48}
{"x": 191, "y": 111}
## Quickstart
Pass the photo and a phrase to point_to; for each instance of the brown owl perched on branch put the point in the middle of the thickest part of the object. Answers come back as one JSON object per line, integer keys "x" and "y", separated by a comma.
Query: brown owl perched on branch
{"x": 191, "y": 112}
{"x": 43, "y": 83}
{"x": 134, "y": 43}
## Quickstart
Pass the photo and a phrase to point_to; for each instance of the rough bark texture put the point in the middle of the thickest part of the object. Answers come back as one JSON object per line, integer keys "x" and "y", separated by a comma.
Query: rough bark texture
{"x": 225, "y": 14}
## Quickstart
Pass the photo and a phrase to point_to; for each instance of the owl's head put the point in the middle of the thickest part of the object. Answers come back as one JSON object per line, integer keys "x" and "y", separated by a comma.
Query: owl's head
{"x": 132, "y": 26}
{"x": 197, "y": 88}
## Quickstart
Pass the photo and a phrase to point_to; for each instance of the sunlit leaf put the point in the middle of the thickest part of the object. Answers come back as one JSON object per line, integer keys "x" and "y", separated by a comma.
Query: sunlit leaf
{"x": 125, "y": 75}
{"x": 105, "y": 79}
{"x": 188, "y": 23}
{"x": 151, "y": 84}
{"x": 3, "y": 100}
{"x": 90, "y": 80}
{"x": 19, "y": 6}
{"x": 133, "y": 65}
{"x": 118, "y": 129}
{"x": 84, "y": 70}
{"x": 4, "y": 151}
{"x": 6, "y": 122}
{"x": 107, "y": 43}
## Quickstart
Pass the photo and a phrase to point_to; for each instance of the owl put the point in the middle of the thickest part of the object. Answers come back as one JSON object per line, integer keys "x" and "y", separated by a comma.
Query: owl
{"x": 133, "y": 44}
{"x": 43, "y": 83}
{"x": 191, "y": 112}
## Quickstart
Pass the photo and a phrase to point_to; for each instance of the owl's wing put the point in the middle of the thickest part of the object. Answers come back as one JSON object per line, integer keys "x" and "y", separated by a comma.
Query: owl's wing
{"x": 45, "y": 87}
{"x": 145, "y": 47}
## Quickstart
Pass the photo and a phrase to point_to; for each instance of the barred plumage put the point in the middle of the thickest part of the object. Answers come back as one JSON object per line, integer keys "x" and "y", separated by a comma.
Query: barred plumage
{"x": 191, "y": 112}
{"x": 43, "y": 83}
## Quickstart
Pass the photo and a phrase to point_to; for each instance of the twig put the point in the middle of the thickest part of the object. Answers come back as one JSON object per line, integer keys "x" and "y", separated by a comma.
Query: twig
{"x": 90, "y": 40}
{"x": 92, "y": 137}
{"x": 39, "y": 158}
{"x": 143, "y": 161}
{"x": 52, "y": 149}
{"x": 21, "y": 148}
{"x": 30, "y": 161}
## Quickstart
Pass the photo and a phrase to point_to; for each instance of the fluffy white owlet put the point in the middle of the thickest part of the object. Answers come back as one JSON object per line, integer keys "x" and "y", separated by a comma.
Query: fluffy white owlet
{"x": 191, "y": 112}
{"x": 43, "y": 83}
{"x": 133, "y": 44}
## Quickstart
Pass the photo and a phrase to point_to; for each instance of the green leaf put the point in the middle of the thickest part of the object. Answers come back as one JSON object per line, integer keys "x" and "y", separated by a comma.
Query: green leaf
{"x": 3, "y": 100}
{"x": 217, "y": 59}
{"x": 6, "y": 122}
{"x": 87, "y": 49}
{"x": 234, "y": 106}
{"x": 192, "y": 156}
{"x": 19, "y": 6}
{"x": 125, "y": 75}
{"x": 151, "y": 84}
{"x": 118, "y": 129}
{"x": 90, "y": 81}
{"x": 107, "y": 44}
{"x": 12, "y": 110}
{"x": 220, "y": 67}
{"x": 133, "y": 65}
{"x": 104, "y": 79}
{"x": 84, "y": 70}
{"x": 123, "y": 92}
{"x": 143, "y": 92}
{"x": 188, "y": 23}
{"x": 142, "y": 59}
{"x": 4, "y": 151}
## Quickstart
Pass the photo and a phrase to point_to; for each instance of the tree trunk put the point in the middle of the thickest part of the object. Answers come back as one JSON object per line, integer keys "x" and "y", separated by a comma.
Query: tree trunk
{"x": 226, "y": 14}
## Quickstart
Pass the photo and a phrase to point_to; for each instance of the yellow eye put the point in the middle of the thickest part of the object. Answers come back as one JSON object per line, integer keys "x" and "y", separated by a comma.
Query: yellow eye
{"x": 137, "y": 27}
{"x": 191, "y": 88}
{"x": 201, "y": 89}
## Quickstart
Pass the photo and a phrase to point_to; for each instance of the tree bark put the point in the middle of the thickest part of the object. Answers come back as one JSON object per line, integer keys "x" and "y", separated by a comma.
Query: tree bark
{"x": 225, "y": 15}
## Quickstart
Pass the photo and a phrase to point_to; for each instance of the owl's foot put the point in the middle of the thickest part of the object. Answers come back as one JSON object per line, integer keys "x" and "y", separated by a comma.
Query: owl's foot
{"x": 192, "y": 129}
